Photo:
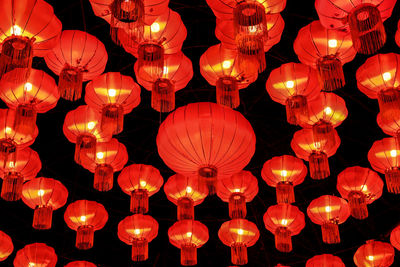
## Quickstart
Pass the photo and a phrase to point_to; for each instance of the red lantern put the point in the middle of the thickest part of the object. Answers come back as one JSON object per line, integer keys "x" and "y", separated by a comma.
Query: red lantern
{"x": 6, "y": 246}
{"x": 77, "y": 57}
{"x": 325, "y": 260}
{"x": 36, "y": 254}
{"x": 207, "y": 140}
{"x": 185, "y": 192}
{"x": 85, "y": 217}
{"x": 374, "y": 253}
{"x": 397, "y": 36}
{"x": 140, "y": 181}
{"x": 113, "y": 95}
{"x": 284, "y": 221}
{"x": 360, "y": 186}
{"x": 137, "y": 231}
{"x": 238, "y": 189}
{"x": 391, "y": 126}
{"x": 239, "y": 234}
{"x": 188, "y": 236}
{"x": 80, "y": 264}
{"x": 395, "y": 237}
{"x": 329, "y": 212}
{"x": 284, "y": 173}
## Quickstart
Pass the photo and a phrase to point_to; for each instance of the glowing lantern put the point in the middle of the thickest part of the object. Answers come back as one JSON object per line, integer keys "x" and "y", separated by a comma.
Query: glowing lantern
{"x": 374, "y": 253}
{"x": 80, "y": 264}
{"x": 390, "y": 126}
{"x": 325, "y": 260}
{"x": 239, "y": 234}
{"x": 6, "y": 246}
{"x": 397, "y": 36}
{"x": 85, "y": 217}
{"x": 185, "y": 192}
{"x": 329, "y": 212}
{"x": 77, "y": 57}
{"x": 36, "y": 254}
{"x": 284, "y": 172}
{"x": 238, "y": 189}
{"x": 140, "y": 181}
{"x": 137, "y": 231}
{"x": 395, "y": 237}
{"x": 188, "y": 235}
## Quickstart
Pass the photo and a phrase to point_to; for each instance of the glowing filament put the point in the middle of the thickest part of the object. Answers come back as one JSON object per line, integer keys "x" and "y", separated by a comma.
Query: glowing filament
{"x": 165, "y": 70}
{"x": 226, "y": 64}
{"x": 283, "y": 173}
{"x": 16, "y": 30}
{"x": 143, "y": 183}
{"x": 328, "y": 111}
{"x": 136, "y": 231}
{"x": 236, "y": 190}
{"x": 332, "y": 43}
{"x": 40, "y": 193}
{"x": 100, "y": 155}
{"x": 328, "y": 209}
{"x": 82, "y": 218}
{"x": 284, "y": 222}
{"x": 112, "y": 92}
{"x": 28, "y": 87}
{"x": 155, "y": 27}
{"x": 91, "y": 125}
{"x": 189, "y": 234}
{"x": 240, "y": 232}
{"x": 370, "y": 258}
{"x": 8, "y": 130}
{"x": 11, "y": 164}
{"x": 290, "y": 84}
{"x": 393, "y": 153}
{"x": 386, "y": 76}
{"x": 189, "y": 190}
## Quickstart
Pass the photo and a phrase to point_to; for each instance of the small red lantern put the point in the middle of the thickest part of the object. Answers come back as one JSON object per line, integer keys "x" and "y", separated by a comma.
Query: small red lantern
{"x": 391, "y": 126}
{"x": 397, "y": 36}
{"x": 6, "y": 246}
{"x": 395, "y": 237}
{"x": 80, "y": 264}
{"x": 374, "y": 253}
{"x": 325, "y": 260}
{"x": 36, "y": 254}
{"x": 85, "y": 217}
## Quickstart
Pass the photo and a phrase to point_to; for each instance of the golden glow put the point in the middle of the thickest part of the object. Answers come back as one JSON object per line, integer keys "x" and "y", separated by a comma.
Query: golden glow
{"x": 328, "y": 111}
{"x": 8, "y": 130}
{"x": 240, "y": 231}
{"x": 16, "y": 30}
{"x": 143, "y": 183}
{"x": 189, "y": 190}
{"x": 31, "y": 264}
{"x": 283, "y": 173}
{"x": 91, "y": 125}
{"x": 289, "y": 84}
{"x": 236, "y": 190}
{"x": 226, "y": 64}
{"x": 332, "y": 43}
{"x": 364, "y": 188}
{"x": 284, "y": 222}
{"x": 112, "y": 92}
{"x": 165, "y": 70}
{"x": 28, "y": 87}
{"x": 11, "y": 164}
{"x": 370, "y": 258}
{"x": 82, "y": 218}
{"x": 136, "y": 231}
{"x": 100, "y": 155}
{"x": 40, "y": 193}
{"x": 328, "y": 209}
{"x": 386, "y": 76}
{"x": 393, "y": 153}
{"x": 155, "y": 27}
{"x": 189, "y": 234}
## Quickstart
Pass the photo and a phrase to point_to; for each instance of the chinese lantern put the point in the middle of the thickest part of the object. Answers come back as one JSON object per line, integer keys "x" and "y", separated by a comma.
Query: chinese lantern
{"x": 374, "y": 253}
{"x": 325, "y": 50}
{"x": 329, "y": 212}
{"x": 206, "y": 139}
{"x": 188, "y": 236}
{"x": 397, "y": 36}
{"x": 363, "y": 19}
{"x": 238, "y": 189}
{"x": 85, "y": 217}
{"x": 36, "y": 254}
{"x": 138, "y": 231}
{"x": 390, "y": 127}
{"x": 177, "y": 72}
{"x": 140, "y": 181}
{"x": 80, "y": 264}
{"x": 395, "y": 237}
{"x": 78, "y": 57}
{"x": 316, "y": 153}
{"x": 25, "y": 167}
{"x": 325, "y": 260}
{"x": 239, "y": 234}
{"x": 292, "y": 85}
{"x": 185, "y": 192}
{"x": 284, "y": 221}
{"x": 284, "y": 173}
{"x": 6, "y": 246}
{"x": 360, "y": 186}
{"x": 110, "y": 157}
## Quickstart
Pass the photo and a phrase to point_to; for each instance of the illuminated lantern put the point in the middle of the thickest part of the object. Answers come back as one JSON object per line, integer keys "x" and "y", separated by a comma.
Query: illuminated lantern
{"x": 284, "y": 172}
{"x": 292, "y": 85}
{"x": 374, "y": 253}
{"x": 239, "y": 234}
{"x": 316, "y": 153}
{"x": 397, "y": 36}
{"x": 284, "y": 221}
{"x": 325, "y": 260}
{"x": 28, "y": 28}
{"x": 177, "y": 72}
{"x": 110, "y": 157}
{"x": 325, "y": 50}
{"x": 238, "y": 189}
{"x": 360, "y": 186}
{"x": 395, "y": 237}
{"x": 363, "y": 19}
{"x": 137, "y": 231}
{"x": 140, "y": 181}
{"x": 80, "y": 264}
{"x": 220, "y": 67}
{"x": 78, "y": 57}
{"x": 36, "y": 254}
{"x": 6, "y": 246}
{"x": 389, "y": 126}
{"x": 188, "y": 235}
{"x": 329, "y": 212}
{"x": 25, "y": 167}
{"x": 185, "y": 192}
{"x": 85, "y": 217}
{"x": 206, "y": 139}
{"x": 82, "y": 127}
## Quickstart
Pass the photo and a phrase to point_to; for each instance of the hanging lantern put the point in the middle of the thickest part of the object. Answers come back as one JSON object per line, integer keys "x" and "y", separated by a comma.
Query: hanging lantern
{"x": 36, "y": 254}
{"x": 395, "y": 237}
{"x": 325, "y": 260}
{"x": 374, "y": 253}
{"x": 390, "y": 127}
{"x": 397, "y": 36}
{"x": 6, "y": 246}
{"x": 140, "y": 181}
{"x": 85, "y": 217}
{"x": 80, "y": 264}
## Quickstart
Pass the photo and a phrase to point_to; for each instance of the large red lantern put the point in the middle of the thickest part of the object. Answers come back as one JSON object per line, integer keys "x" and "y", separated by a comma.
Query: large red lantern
{"x": 325, "y": 260}
{"x": 85, "y": 217}
{"x": 374, "y": 253}
{"x": 188, "y": 236}
{"x": 138, "y": 231}
{"x": 284, "y": 221}
{"x": 185, "y": 192}
{"x": 284, "y": 173}
{"x": 395, "y": 237}
{"x": 36, "y": 254}
{"x": 140, "y": 181}
{"x": 329, "y": 212}
{"x": 6, "y": 246}
{"x": 80, "y": 264}
{"x": 78, "y": 57}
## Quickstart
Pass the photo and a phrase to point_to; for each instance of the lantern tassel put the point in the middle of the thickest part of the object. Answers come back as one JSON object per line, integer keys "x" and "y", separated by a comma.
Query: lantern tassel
{"x": 185, "y": 209}
{"x": 319, "y": 165}
{"x": 296, "y": 109}
{"x": 25, "y": 119}
{"x": 84, "y": 237}
{"x": 389, "y": 104}
{"x": 208, "y": 177}
{"x": 283, "y": 239}
{"x": 103, "y": 177}
{"x": 139, "y": 201}
{"x": 70, "y": 83}
{"x": 285, "y": 193}
{"x": 85, "y": 144}
{"x": 330, "y": 72}
{"x": 188, "y": 255}
{"x": 42, "y": 217}
{"x": 228, "y": 92}
{"x": 11, "y": 189}
{"x": 140, "y": 250}
{"x": 392, "y": 177}
{"x": 237, "y": 206}
{"x": 330, "y": 233}
{"x": 112, "y": 119}
{"x": 239, "y": 254}
{"x": 163, "y": 95}
{"x": 358, "y": 205}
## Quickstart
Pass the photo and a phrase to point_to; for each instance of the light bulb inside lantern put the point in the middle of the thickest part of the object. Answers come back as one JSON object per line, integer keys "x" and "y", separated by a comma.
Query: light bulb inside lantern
{"x": 370, "y": 258}
{"x": 290, "y": 84}
{"x": 364, "y": 188}
{"x": 226, "y": 64}
{"x": 40, "y": 193}
{"x": 393, "y": 153}
{"x": 332, "y": 43}
{"x": 386, "y": 76}
{"x": 240, "y": 232}
{"x": 165, "y": 70}
{"x": 189, "y": 234}
{"x": 8, "y": 130}
{"x": 136, "y": 231}
{"x": 11, "y": 164}
{"x": 16, "y": 30}
{"x": 31, "y": 264}
{"x": 143, "y": 183}
{"x": 112, "y": 92}
{"x": 82, "y": 218}
{"x": 91, "y": 125}
{"x": 328, "y": 209}
{"x": 100, "y": 155}
{"x": 189, "y": 189}
{"x": 28, "y": 87}
{"x": 236, "y": 190}
{"x": 284, "y": 222}
{"x": 283, "y": 173}
{"x": 155, "y": 27}
{"x": 328, "y": 110}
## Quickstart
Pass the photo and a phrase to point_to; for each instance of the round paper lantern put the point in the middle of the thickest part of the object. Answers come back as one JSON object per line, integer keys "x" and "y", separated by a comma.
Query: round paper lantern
{"x": 185, "y": 192}
{"x": 329, "y": 212}
{"x": 239, "y": 234}
{"x": 395, "y": 237}
{"x": 6, "y": 246}
{"x": 389, "y": 126}
{"x": 397, "y": 36}
{"x": 77, "y": 57}
{"x": 85, "y": 217}
{"x": 374, "y": 253}
{"x": 113, "y": 95}
{"x": 80, "y": 264}
{"x": 140, "y": 181}
{"x": 325, "y": 260}
{"x": 238, "y": 189}
{"x": 284, "y": 172}
{"x": 206, "y": 139}
{"x": 137, "y": 231}
{"x": 188, "y": 236}
{"x": 325, "y": 50}
{"x": 284, "y": 221}
{"x": 36, "y": 254}
{"x": 360, "y": 186}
